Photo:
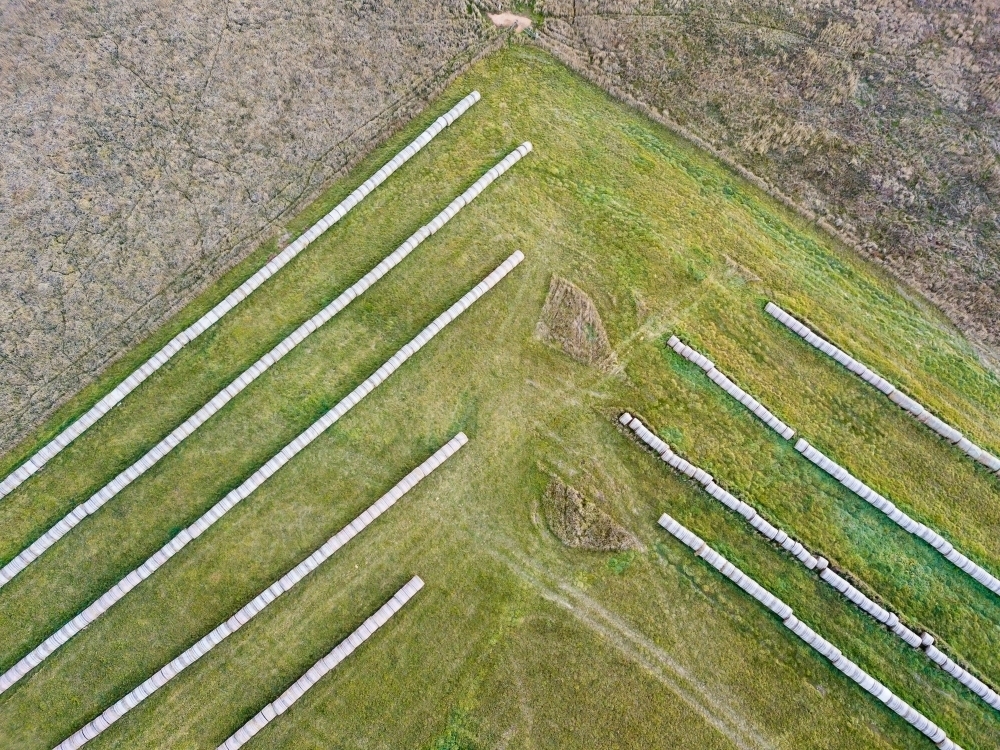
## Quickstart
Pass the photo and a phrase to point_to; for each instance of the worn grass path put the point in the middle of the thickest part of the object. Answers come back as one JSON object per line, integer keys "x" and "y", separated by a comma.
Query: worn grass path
{"x": 517, "y": 641}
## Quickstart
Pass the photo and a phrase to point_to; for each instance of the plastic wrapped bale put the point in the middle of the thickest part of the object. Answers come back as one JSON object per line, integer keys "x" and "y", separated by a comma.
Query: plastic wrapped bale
{"x": 684, "y": 535}
{"x": 886, "y": 388}
{"x": 917, "y": 529}
{"x": 988, "y": 460}
{"x": 322, "y": 667}
{"x": 850, "y": 592}
{"x": 261, "y": 601}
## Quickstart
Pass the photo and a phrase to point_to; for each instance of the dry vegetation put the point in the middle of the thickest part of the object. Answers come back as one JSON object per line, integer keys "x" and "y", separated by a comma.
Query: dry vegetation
{"x": 146, "y": 153}
{"x": 570, "y": 322}
{"x": 149, "y": 148}
{"x": 578, "y": 521}
{"x": 879, "y": 118}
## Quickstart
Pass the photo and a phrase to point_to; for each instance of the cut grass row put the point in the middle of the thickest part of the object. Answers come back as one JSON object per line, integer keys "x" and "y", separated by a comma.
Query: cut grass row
{"x": 532, "y": 643}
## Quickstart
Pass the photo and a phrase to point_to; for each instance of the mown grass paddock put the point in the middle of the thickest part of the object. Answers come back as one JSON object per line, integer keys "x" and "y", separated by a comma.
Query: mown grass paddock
{"x": 516, "y": 638}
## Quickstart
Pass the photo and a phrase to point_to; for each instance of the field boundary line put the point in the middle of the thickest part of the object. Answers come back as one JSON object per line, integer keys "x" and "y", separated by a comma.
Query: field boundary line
{"x": 80, "y": 425}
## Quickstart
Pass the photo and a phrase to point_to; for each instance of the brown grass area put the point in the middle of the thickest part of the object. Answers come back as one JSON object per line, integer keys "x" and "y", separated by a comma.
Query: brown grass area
{"x": 570, "y": 321}
{"x": 580, "y": 522}
{"x": 175, "y": 147}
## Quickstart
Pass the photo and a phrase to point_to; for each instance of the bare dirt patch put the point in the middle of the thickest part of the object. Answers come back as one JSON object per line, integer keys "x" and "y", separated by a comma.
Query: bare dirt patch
{"x": 570, "y": 322}
{"x": 579, "y": 522}
{"x": 508, "y": 20}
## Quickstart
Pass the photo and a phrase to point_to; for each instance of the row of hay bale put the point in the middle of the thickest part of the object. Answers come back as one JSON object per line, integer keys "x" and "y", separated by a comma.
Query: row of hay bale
{"x": 320, "y": 669}
{"x": 261, "y": 601}
{"x": 866, "y": 493}
{"x": 662, "y": 449}
{"x": 904, "y": 402}
{"x": 102, "y": 407}
{"x": 707, "y": 481}
{"x": 896, "y": 704}
{"x": 119, "y": 590}
{"x": 815, "y": 562}
{"x": 161, "y": 449}
{"x": 720, "y": 379}
{"x": 773, "y": 533}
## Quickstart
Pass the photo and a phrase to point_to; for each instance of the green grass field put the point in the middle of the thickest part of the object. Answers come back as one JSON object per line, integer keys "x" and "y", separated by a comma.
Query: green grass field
{"x": 518, "y": 641}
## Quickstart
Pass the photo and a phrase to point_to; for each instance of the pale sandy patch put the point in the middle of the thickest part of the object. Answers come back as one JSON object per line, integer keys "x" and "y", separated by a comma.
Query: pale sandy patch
{"x": 509, "y": 19}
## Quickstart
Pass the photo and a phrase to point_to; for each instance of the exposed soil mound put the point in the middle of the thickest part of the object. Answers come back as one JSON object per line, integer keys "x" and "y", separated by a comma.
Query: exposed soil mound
{"x": 510, "y": 20}
{"x": 570, "y": 322}
{"x": 578, "y": 521}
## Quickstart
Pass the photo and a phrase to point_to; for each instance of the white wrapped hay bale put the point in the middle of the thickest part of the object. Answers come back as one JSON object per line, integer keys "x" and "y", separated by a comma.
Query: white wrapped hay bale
{"x": 683, "y": 534}
{"x": 988, "y": 460}
{"x": 808, "y": 635}
{"x": 126, "y": 477}
{"x": 885, "y": 387}
{"x": 975, "y": 571}
{"x": 344, "y": 649}
{"x": 720, "y": 379}
{"x": 889, "y": 619}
